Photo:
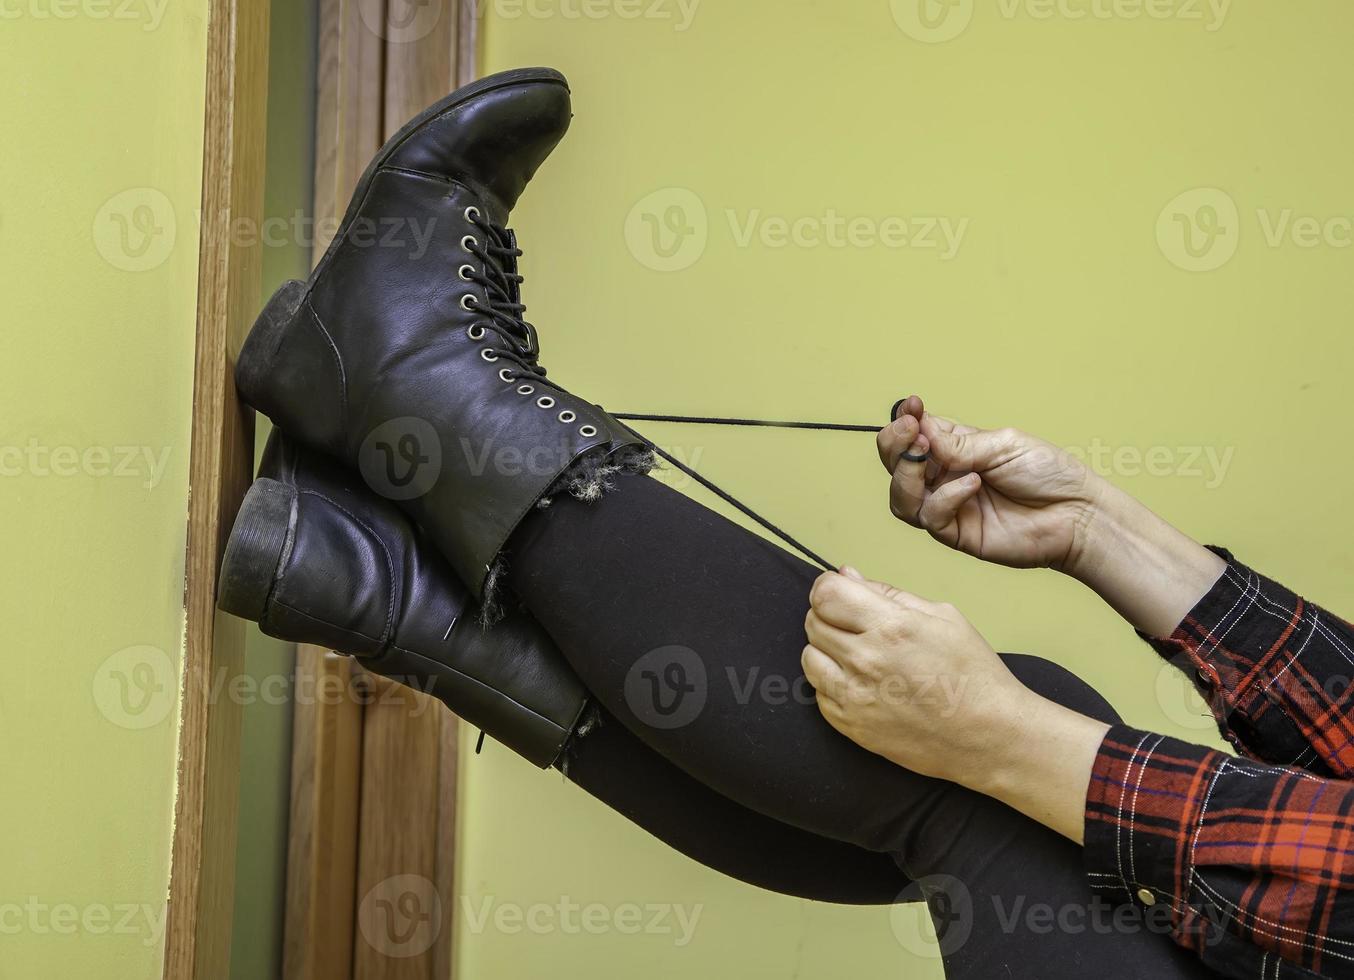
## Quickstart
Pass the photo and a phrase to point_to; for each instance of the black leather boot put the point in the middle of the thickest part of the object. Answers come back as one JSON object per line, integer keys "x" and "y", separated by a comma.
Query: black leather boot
{"x": 315, "y": 557}
{"x": 405, "y": 355}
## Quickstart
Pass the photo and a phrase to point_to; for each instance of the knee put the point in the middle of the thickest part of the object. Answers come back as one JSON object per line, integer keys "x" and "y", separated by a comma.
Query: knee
{"x": 1059, "y": 684}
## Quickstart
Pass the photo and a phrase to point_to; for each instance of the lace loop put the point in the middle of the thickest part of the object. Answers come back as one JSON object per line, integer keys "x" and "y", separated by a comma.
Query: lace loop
{"x": 503, "y": 307}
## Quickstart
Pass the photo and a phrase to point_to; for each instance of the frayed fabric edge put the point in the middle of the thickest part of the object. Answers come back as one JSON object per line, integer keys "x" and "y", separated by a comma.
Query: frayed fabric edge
{"x": 588, "y": 722}
{"x": 588, "y": 478}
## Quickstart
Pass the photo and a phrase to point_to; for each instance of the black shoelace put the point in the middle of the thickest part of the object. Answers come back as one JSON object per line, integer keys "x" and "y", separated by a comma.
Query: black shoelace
{"x": 520, "y": 344}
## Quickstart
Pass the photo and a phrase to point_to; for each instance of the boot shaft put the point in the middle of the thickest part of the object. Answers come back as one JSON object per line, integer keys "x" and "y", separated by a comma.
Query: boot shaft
{"x": 316, "y": 558}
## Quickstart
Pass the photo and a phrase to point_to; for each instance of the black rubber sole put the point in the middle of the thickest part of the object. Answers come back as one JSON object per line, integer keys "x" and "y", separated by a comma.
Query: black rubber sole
{"x": 255, "y": 548}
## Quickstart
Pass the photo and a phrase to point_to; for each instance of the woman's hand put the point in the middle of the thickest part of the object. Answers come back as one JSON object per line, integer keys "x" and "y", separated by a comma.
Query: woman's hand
{"x": 913, "y": 681}
{"x": 1009, "y": 498}
{"x": 906, "y": 678}
{"x": 999, "y": 495}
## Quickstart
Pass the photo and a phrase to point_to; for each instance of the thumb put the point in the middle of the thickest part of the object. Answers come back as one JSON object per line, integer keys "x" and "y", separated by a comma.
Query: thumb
{"x": 979, "y": 450}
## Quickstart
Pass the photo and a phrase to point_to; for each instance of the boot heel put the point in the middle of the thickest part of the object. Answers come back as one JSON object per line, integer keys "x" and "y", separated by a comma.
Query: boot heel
{"x": 265, "y": 337}
{"x": 255, "y": 549}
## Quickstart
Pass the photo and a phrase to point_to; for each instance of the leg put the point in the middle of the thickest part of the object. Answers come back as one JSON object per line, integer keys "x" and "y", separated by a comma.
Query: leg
{"x": 613, "y": 766}
{"x": 689, "y": 630}
{"x": 315, "y": 557}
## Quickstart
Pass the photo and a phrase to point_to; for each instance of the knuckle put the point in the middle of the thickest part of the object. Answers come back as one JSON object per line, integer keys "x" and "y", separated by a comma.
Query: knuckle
{"x": 895, "y": 628}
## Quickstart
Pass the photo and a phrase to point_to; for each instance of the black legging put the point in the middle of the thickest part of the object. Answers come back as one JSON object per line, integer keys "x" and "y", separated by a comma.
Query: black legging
{"x": 613, "y": 766}
{"x": 689, "y": 630}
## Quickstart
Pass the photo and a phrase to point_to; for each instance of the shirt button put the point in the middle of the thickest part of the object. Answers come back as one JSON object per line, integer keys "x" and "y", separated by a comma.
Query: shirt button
{"x": 1146, "y": 897}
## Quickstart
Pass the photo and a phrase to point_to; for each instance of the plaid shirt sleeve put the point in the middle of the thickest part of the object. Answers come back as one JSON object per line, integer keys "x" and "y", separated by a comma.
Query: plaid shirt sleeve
{"x": 1253, "y": 862}
{"x": 1275, "y": 670}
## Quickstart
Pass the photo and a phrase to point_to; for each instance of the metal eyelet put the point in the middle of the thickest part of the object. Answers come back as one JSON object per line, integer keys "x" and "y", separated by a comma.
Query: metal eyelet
{"x": 587, "y": 431}
{"x": 488, "y": 354}
{"x": 472, "y": 213}
{"x": 465, "y": 272}
{"x": 545, "y": 401}
{"x": 567, "y": 416}
{"x": 525, "y": 390}
{"x": 468, "y": 302}
{"x": 506, "y": 376}
{"x": 470, "y": 243}
{"x": 475, "y": 331}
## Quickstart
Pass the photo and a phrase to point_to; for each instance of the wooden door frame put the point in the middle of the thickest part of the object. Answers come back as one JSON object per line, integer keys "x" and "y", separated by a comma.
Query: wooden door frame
{"x": 374, "y": 776}
{"x": 202, "y": 861}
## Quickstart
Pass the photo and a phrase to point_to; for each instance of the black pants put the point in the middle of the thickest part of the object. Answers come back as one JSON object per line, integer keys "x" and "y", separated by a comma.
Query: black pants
{"x": 689, "y": 630}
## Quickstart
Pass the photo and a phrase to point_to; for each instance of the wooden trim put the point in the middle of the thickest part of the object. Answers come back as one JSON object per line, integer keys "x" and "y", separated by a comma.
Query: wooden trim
{"x": 202, "y": 868}
{"x": 374, "y": 787}
{"x": 322, "y": 835}
{"x": 468, "y": 41}
{"x": 404, "y": 906}
{"x": 347, "y": 111}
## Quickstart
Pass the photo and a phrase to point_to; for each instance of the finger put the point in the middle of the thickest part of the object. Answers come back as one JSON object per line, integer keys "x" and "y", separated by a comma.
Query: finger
{"x": 910, "y": 405}
{"x": 895, "y": 438}
{"x": 976, "y": 450}
{"x": 940, "y": 514}
{"x": 907, "y": 490}
{"x": 821, "y": 671}
{"x": 890, "y": 592}
{"x": 829, "y": 638}
{"x": 846, "y": 604}
{"x": 832, "y": 711}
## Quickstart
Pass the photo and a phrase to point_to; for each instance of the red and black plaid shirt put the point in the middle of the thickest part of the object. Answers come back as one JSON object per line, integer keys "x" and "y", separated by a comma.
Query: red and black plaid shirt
{"x": 1254, "y": 856}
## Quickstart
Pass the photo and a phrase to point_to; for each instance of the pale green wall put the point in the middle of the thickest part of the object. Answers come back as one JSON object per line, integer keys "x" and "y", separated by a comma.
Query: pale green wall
{"x": 1062, "y": 142}
{"x": 102, "y": 112}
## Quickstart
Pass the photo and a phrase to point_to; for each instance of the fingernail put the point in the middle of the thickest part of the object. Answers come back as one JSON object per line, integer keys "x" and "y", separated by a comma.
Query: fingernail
{"x": 850, "y": 572}
{"x": 903, "y": 426}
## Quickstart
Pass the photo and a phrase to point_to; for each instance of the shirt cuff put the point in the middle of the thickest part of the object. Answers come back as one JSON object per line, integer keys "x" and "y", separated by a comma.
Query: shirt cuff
{"x": 1144, "y": 800}
{"x": 1238, "y": 645}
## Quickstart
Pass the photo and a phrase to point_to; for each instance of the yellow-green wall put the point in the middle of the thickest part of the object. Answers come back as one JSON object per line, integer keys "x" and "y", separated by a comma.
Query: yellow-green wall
{"x": 1063, "y": 143}
{"x": 102, "y": 108}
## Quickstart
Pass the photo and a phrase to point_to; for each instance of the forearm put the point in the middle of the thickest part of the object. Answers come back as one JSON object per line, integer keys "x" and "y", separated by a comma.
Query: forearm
{"x": 1148, "y": 571}
{"x": 1043, "y": 765}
